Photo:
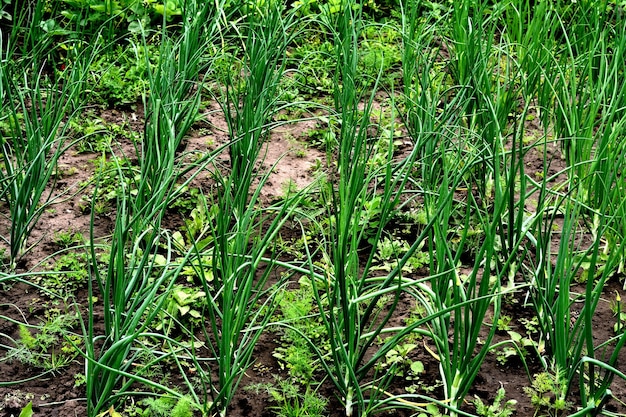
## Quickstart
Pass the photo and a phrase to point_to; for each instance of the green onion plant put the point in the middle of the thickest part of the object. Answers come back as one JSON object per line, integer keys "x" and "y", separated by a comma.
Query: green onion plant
{"x": 141, "y": 270}
{"x": 565, "y": 317}
{"x": 347, "y": 292}
{"x": 580, "y": 78}
{"x": 35, "y": 109}
{"x": 239, "y": 306}
{"x": 590, "y": 126}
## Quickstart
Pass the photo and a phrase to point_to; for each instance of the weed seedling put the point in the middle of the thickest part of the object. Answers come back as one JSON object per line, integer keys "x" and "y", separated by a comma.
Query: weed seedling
{"x": 68, "y": 238}
{"x": 504, "y": 322}
{"x": 496, "y": 409}
{"x": 291, "y": 401}
{"x": 46, "y": 349}
{"x": 68, "y": 273}
{"x": 547, "y": 393}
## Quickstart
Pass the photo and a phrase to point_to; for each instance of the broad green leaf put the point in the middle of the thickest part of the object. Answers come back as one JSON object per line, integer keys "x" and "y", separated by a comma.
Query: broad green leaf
{"x": 417, "y": 367}
{"x": 27, "y": 411}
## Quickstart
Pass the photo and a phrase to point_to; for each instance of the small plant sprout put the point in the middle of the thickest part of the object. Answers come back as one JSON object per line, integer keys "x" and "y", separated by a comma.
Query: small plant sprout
{"x": 499, "y": 407}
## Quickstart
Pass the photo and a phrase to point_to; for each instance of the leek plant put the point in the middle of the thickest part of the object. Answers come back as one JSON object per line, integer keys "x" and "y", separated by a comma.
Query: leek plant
{"x": 347, "y": 292}
{"x": 466, "y": 298}
{"x": 242, "y": 234}
{"x": 35, "y": 108}
{"x": 430, "y": 135}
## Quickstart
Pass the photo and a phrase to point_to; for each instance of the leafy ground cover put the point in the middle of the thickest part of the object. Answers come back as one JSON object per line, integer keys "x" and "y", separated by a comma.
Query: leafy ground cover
{"x": 321, "y": 208}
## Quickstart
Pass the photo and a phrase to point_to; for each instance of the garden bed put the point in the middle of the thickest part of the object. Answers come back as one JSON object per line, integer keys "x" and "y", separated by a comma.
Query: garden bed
{"x": 332, "y": 208}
